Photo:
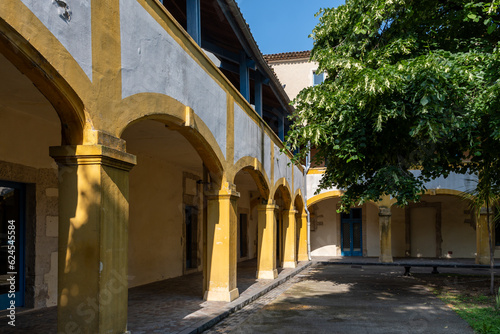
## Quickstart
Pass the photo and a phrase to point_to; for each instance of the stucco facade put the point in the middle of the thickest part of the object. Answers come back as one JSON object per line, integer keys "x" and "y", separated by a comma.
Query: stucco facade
{"x": 128, "y": 156}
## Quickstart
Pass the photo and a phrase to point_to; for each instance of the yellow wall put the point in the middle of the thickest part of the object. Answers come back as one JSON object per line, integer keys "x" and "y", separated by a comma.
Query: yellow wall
{"x": 26, "y": 138}
{"x": 157, "y": 191}
{"x": 244, "y": 206}
{"x": 28, "y": 126}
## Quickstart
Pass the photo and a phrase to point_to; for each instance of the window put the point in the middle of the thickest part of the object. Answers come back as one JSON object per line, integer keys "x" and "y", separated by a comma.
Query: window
{"x": 318, "y": 78}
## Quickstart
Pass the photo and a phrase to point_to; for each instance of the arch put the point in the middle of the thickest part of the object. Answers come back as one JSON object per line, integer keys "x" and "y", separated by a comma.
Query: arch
{"x": 298, "y": 199}
{"x": 256, "y": 170}
{"x": 283, "y": 186}
{"x": 326, "y": 195}
{"x": 48, "y": 81}
{"x": 176, "y": 116}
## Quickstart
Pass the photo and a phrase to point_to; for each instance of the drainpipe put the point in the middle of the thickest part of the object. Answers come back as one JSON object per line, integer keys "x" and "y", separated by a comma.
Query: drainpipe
{"x": 306, "y": 169}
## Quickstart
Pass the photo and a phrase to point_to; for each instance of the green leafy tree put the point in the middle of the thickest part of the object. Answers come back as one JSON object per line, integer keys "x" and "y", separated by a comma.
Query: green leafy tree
{"x": 411, "y": 84}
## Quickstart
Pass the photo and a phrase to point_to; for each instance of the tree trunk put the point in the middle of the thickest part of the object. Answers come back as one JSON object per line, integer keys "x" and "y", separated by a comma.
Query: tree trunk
{"x": 492, "y": 248}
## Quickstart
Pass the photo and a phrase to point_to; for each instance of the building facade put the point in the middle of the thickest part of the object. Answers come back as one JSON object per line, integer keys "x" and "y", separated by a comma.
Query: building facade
{"x": 140, "y": 140}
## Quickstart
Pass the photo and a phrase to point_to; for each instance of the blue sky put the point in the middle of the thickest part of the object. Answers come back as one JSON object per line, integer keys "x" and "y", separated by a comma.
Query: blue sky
{"x": 283, "y": 25}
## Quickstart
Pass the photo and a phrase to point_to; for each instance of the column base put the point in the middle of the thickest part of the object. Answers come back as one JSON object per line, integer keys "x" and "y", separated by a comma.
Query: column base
{"x": 267, "y": 274}
{"x": 221, "y": 296}
{"x": 289, "y": 264}
{"x": 483, "y": 260}
{"x": 385, "y": 259}
{"x": 301, "y": 258}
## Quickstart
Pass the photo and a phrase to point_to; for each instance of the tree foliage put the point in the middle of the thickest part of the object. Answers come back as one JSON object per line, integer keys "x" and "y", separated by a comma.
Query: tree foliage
{"x": 410, "y": 84}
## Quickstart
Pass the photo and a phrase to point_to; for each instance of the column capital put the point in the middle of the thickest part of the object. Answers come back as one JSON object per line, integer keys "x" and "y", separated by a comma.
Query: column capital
{"x": 76, "y": 155}
{"x": 384, "y": 211}
{"x": 267, "y": 207}
{"x": 222, "y": 194}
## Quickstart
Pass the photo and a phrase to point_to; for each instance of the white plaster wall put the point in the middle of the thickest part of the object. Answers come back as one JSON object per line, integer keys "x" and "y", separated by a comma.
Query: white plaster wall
{"x": 298, "y": 180}
{"x": 248, "y": 139}
{"x": 296, "y": 75}
{"x": 325, "y": 239}
{"x": 153, "y": 62}
{"x": 281, "y": 166}
{"x": 313, "y": 181}
{"x": 454, "y": 181}
{"x": 267, "y": 155}
{"x": 74, "y": 34}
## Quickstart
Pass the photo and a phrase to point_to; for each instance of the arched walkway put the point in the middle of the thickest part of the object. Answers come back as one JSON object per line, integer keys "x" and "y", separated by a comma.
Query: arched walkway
{"x": 38, "y": 110}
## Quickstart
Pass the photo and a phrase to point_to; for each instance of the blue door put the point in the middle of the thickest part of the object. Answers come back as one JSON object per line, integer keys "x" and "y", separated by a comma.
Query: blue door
{"x": 351, "y": 239}
{"x": 12, "y": 198}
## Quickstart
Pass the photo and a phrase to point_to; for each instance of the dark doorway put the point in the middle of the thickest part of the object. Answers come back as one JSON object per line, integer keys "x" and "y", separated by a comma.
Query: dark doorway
{"x": 243, "y": 235}
{"x": 12, "y": 276}
{"x": 191, "y": 214}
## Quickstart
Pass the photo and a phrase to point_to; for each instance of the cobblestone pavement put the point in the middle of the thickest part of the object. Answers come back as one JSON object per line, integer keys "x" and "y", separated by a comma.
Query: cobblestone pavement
{"x": 233, "y": 321}
{"x": 170, "y": 306}
{"x": 347, "y": 299}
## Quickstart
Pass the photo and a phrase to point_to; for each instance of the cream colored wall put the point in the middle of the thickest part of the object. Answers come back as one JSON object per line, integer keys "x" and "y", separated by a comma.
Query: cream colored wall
{"x": 372, "y": 239}
{"x": 458, "y": 236}
{"x": 296, "y": 75}
{"x": 423, "y": 232}
{"x": 326, "y": 238}
{"x": 398, "y": 231}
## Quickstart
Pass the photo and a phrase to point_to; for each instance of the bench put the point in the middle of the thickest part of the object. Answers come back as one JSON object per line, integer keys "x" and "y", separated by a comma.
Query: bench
{"x": 408, "y": 265}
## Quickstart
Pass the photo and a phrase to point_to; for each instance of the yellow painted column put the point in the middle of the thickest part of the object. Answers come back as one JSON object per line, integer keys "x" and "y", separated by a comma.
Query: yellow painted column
{"x": 482, "y": 242}
{"x": 384, "y": 217}
{"x": 290, "y": 239}
{"x": 266, "y": 254}
{"x": 222, "y": 245}
{"x": 93, "y": 238}
{"x": 302, "y": 232}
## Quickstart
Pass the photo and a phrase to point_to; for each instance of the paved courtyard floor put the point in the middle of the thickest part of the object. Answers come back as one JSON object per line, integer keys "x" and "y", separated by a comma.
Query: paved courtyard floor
{"x": 348, "y": 299}
{"x": 174, "y": 305}
{"x": 335, "y": 295}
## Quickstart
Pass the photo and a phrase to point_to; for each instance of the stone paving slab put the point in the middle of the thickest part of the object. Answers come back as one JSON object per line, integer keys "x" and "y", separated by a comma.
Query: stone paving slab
{"x": 347, "y": 299}
{"x": 170, "y": 306}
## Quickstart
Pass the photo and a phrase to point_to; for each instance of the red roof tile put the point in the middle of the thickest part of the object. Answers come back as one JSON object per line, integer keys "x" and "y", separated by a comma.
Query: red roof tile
{"x": 288, "y": 56}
